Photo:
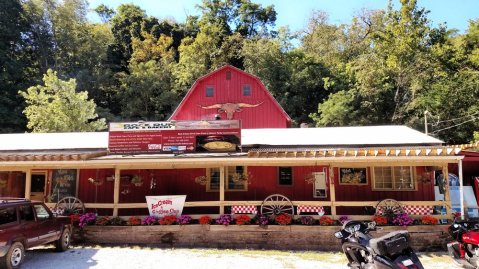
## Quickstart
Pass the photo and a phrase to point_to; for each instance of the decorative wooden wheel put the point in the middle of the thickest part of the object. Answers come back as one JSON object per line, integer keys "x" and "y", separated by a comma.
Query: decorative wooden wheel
{"x": 389, "y": 207}
{"x": 276, "y": 204}
{"x": 68, "y": 206}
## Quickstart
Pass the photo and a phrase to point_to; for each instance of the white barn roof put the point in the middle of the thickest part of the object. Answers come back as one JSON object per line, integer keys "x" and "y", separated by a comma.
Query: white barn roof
{"x": 328, "y": 136}
{"x": 333, "y": 136}
{"x": 53, "y": 141}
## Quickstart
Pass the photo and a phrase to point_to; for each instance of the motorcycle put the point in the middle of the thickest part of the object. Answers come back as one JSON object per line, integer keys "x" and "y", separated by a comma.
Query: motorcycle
{"x": 365, "y": 252}
{"x": 464, "y": 250}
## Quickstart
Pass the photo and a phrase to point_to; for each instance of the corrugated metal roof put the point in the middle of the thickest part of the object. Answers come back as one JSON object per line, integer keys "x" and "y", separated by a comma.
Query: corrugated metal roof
{"x": 50, "y": 141}
{"x": 334, "y": 136}
{"x": 328, "y": 136}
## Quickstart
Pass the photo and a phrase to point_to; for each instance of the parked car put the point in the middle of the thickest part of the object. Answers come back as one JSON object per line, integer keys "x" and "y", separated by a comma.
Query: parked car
{"x": 25, "y": 224}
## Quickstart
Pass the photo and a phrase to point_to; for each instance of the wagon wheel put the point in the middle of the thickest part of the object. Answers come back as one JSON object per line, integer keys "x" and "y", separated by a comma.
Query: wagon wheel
{"x": 276, "y": 204}
{"x": 389, "y": 208}
{"x": 68, "y": 206}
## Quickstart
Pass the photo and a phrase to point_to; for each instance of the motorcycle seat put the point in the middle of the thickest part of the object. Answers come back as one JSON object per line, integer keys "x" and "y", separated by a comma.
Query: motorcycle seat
{"x": 390, "y": 244}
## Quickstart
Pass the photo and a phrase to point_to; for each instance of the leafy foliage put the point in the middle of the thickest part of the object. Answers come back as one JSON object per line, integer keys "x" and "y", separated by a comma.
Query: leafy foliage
{"x": 384, "y": 67}
{"x": 56, "y": 107}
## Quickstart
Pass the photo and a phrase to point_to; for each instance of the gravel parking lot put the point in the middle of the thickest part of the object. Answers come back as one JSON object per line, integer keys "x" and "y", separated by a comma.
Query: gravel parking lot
{"x": 149, "y": 257}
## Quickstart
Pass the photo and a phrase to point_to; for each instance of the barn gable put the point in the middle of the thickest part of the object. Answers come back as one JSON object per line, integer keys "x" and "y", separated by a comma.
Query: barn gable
{"x": 232, "y": 94}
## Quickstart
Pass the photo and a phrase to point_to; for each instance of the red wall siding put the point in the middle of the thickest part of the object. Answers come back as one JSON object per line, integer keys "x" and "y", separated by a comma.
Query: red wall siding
{"x": 264, "y": 182}
{"x": 267, "y": 115}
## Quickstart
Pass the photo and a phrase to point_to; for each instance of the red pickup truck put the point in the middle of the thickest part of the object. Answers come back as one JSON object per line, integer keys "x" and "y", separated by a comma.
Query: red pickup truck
{"x": 25, "y": 224}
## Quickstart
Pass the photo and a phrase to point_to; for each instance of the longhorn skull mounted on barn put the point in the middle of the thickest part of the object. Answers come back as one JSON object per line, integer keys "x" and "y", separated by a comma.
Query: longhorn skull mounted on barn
{"x": 229, "y": 108}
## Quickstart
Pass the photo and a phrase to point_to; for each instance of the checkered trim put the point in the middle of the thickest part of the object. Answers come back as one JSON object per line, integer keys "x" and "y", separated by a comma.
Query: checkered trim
{"x": 310, "y": 208}
{"x": 414, "y": 209}
{"x": 236, "y": 209}
{"x": 418, "y": 209}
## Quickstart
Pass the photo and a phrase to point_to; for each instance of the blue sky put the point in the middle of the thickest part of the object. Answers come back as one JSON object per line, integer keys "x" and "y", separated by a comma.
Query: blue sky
{"x": 295, "y": 13}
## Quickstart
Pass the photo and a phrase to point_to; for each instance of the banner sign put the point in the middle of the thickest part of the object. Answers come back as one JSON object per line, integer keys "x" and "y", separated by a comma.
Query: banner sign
{"x": 161, "y": 206}
{"x": 174, "y": 137}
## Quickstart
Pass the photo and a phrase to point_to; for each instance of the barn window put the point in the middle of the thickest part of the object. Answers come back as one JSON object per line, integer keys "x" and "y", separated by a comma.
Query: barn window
{"x": 246, "y": 90}
{"x": 209, "y": 91}
{"x": 285, "y": 176}
{"x": 232, "y": 183}
{"x": 228, "y": 75}
{"x": 394, "y": 178}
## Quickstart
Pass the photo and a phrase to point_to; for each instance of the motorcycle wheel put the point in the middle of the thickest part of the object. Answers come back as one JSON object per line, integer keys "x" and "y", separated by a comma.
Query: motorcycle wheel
{"x": 471, "y": 257}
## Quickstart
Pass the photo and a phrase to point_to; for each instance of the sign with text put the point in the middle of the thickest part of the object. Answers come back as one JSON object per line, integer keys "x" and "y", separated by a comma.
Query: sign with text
{"x": 161, "y": 206}
{"x": 174, "y": 137}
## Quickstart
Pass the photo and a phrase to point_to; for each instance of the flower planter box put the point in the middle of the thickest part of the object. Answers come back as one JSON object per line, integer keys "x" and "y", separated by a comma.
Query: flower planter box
{"x": 293, "y": 237}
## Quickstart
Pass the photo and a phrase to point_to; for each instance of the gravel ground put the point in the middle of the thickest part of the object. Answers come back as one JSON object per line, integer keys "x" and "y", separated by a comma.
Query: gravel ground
{"x": 129, "y": 257}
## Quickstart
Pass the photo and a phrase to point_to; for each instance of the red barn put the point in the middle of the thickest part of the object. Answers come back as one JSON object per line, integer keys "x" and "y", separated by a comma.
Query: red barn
{"x": 232, "y": 94}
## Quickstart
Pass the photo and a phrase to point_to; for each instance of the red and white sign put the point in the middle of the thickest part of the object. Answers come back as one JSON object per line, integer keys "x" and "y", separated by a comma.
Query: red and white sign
{"x": 174, "y": 137}
{"x": 161, "y": 206}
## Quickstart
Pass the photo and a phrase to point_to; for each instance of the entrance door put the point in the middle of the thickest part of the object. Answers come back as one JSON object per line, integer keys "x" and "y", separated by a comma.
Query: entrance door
{"x": 38, "y": 187}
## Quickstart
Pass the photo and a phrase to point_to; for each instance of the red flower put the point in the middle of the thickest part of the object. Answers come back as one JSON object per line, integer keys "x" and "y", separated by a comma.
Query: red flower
{"x": 205, "y": 220}
{"x": 428, "y": 220}
{"x": 324, "y": 220}
{"x": 380, "y": 220}
{"x": 168, "y": 220}
{"x": 242, "y": 219}
{"x": 283, "y": 219}
{"x": 134, "y": 221}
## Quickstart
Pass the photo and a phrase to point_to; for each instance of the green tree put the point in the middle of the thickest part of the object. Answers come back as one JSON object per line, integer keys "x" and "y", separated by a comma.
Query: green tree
{"x": 146, "y": 90}
{"x": 12, "y": 65}
{"x": 56, "y": 107}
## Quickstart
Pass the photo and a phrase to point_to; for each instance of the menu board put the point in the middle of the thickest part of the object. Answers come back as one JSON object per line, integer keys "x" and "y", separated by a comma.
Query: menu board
{"x": 174, "y": 137}
{"x": 64, "y": 183}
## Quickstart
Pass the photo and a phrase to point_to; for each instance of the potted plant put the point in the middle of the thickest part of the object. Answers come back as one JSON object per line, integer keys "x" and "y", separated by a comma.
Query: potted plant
{"x": 137, "y": 181}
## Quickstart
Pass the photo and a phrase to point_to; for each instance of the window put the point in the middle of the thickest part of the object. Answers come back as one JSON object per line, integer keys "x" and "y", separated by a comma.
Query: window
{"x": 285, "y": 176}
{"x": 209, "y": 91}
{"x": 42, "y": 212}
{"x": 246, "y": 90}
{"x": 394, "y": 178}
{"x": 8, "y": 215}
{"x": 232, "y": 183}
{"x": 228, "y": 75}
{"x": 26, "y": 213}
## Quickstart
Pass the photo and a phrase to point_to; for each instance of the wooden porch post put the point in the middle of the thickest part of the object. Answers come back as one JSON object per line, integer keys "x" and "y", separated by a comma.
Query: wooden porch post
{"x": 332, "y": 192}
{"x": 447, "y": 193}
{"x": 116, "y": 192}
{"x": 222, "y": 189}
{"x": 28, "y": 183}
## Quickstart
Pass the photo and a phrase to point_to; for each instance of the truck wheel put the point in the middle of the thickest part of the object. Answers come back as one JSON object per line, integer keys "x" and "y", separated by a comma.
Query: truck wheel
{"x": 14, "y": 256}
{"x": 63, "y": 243}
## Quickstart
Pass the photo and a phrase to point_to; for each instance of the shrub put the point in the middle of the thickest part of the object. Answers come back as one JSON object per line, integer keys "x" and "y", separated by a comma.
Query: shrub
{"x": 205, "y": 220}
{"x": 87, "y": 219}
{"x": 380, "y": 220}
{"x": 242, "y": 219}
{"x": 224, "y": 220}
{"x": 102, "y": 221}
{"x": 184, "y": 219}
{"x": 168, "y": 220}
{"x": 283, "y": 219}
{"x": 134, "y": 221}
{"x": 149, "y": 220}
{"x": 324, "y": 220}
{"x": 307, "y": 220}
{"x": 428, "y": 220}
{"x": 117, "y": 221}
{"x": 402, "y": 220}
